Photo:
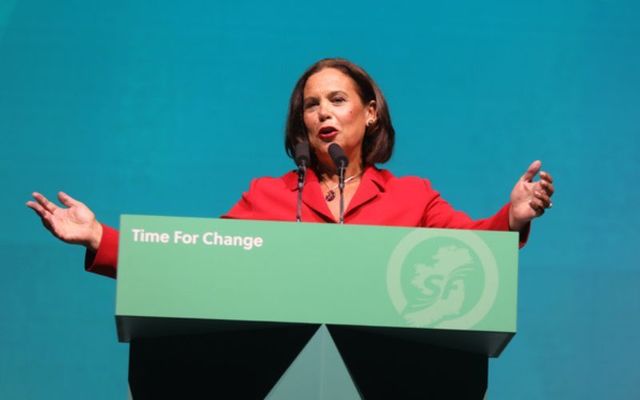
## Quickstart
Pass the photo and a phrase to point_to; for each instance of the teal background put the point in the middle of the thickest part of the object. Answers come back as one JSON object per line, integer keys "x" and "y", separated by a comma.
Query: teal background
{"x": 171, "y": 108}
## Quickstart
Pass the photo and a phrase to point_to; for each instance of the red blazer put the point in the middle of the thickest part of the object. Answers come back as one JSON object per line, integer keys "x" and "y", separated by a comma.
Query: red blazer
{"x": 381, "y": 199}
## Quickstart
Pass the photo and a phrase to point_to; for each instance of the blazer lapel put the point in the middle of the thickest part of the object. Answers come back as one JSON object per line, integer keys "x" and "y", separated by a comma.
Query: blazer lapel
{"x": 370, "y": 186}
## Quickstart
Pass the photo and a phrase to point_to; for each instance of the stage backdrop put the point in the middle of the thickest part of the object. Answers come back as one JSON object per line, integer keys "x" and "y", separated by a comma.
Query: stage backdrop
{"x": 170, "y": 108}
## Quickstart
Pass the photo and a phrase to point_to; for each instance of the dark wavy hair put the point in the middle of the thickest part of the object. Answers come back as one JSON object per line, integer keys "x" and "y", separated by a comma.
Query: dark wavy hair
{"x": 379, "y": 137}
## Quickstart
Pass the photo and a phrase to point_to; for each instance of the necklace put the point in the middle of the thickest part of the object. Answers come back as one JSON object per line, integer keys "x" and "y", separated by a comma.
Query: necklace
{"x": 331, "y": 194}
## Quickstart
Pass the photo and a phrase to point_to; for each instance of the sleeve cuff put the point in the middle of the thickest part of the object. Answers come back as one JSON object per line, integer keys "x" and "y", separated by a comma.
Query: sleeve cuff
{"x": 104, "y": 261}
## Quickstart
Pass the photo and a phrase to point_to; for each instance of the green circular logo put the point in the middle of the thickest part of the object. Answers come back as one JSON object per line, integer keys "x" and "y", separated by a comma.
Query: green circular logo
{"x": 438, "y": 278}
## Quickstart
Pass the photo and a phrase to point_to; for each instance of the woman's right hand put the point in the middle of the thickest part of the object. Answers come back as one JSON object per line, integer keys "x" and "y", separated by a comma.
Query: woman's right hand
{"x": 75, "y": 224}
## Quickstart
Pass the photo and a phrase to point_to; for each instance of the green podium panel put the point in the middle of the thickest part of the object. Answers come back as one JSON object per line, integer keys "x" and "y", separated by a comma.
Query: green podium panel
{"x": 181, "y": 276}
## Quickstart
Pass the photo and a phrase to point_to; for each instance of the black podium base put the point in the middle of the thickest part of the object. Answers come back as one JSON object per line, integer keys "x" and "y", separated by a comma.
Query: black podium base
{"x": 247, "y": 363}
{"x": 387, "y": 367}
{"x": 224, "y": 365}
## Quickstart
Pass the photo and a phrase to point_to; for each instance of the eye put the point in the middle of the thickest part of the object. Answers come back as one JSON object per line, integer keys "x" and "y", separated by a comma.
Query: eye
{"x": 338, "y": 99}
{"x": 309, "y": 104}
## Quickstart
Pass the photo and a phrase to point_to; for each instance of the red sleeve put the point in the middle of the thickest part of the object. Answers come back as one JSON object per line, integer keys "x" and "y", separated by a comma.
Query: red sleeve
{"x": 105, "y": 260}
{"x": 440, "y": 214}
{"x": 243, "y": 209}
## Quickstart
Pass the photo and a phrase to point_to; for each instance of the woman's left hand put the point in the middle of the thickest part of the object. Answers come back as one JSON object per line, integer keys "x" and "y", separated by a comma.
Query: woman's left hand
{"x": 530, "y": 199}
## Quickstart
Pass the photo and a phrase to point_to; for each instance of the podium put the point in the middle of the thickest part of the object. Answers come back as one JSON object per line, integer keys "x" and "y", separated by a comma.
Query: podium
{"x": 229, "y": 309}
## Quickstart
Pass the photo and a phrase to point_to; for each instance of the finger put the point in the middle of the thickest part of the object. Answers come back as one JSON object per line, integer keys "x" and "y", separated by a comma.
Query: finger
{"x": 44, "y": 202}
{"x": 46, "y": 221}
{"x": 537, "y": 207}
{"x": 543, "y": 197}
{"x": 37, "y": 208}
{"x": 540, "y": 204}
{"x": 532, "y": 171}
{"x": 66, "y": 199}
{"x": 546, "y": 176}
{"x": 547, "y": 187}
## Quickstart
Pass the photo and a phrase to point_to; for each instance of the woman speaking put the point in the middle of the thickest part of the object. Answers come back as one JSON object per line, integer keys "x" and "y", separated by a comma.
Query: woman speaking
{"x": 333, "y": 103}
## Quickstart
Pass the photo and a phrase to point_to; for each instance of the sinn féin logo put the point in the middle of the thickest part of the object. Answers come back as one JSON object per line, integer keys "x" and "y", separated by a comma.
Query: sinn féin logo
{"x": 442, "y": 279}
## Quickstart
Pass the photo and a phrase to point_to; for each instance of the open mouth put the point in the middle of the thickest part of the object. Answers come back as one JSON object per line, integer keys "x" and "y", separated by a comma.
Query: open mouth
{"x": 327, "y": 133}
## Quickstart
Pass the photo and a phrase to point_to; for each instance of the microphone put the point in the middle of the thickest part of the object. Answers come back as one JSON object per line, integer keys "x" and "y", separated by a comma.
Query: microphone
{"x": 341, "y": 161}
{"x": 302, "y": 157}
{"x": 337, "y": 155}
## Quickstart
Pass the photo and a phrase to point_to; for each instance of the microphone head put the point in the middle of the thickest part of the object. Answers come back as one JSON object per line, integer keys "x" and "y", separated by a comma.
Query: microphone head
{"x": 301, "y": 152}
{"x": 337, "y": 155}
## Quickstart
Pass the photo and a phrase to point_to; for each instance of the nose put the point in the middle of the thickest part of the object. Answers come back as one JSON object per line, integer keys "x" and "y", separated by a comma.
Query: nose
{"x": 323, "y": 112}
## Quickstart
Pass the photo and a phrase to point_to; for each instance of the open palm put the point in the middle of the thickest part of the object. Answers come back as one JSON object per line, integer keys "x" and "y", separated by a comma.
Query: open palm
{"x": 74, "y": 224}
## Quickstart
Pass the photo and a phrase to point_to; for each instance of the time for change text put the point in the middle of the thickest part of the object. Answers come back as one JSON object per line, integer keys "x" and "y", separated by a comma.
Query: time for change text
{"x": 208, "y": 238}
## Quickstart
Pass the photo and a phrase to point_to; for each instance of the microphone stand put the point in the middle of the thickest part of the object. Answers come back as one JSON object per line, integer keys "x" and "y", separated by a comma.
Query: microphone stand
{"x": 301, "y": 158}
{"x": 302, "y": 172}
{"x": 341, "y": 187}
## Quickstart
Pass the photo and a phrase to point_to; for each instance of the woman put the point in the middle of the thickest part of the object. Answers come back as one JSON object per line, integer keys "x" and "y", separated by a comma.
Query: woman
{"x": 334, "y": 101}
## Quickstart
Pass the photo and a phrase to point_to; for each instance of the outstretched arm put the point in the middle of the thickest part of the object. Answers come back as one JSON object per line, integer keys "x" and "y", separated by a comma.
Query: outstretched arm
{"x": 77, "y": 224}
